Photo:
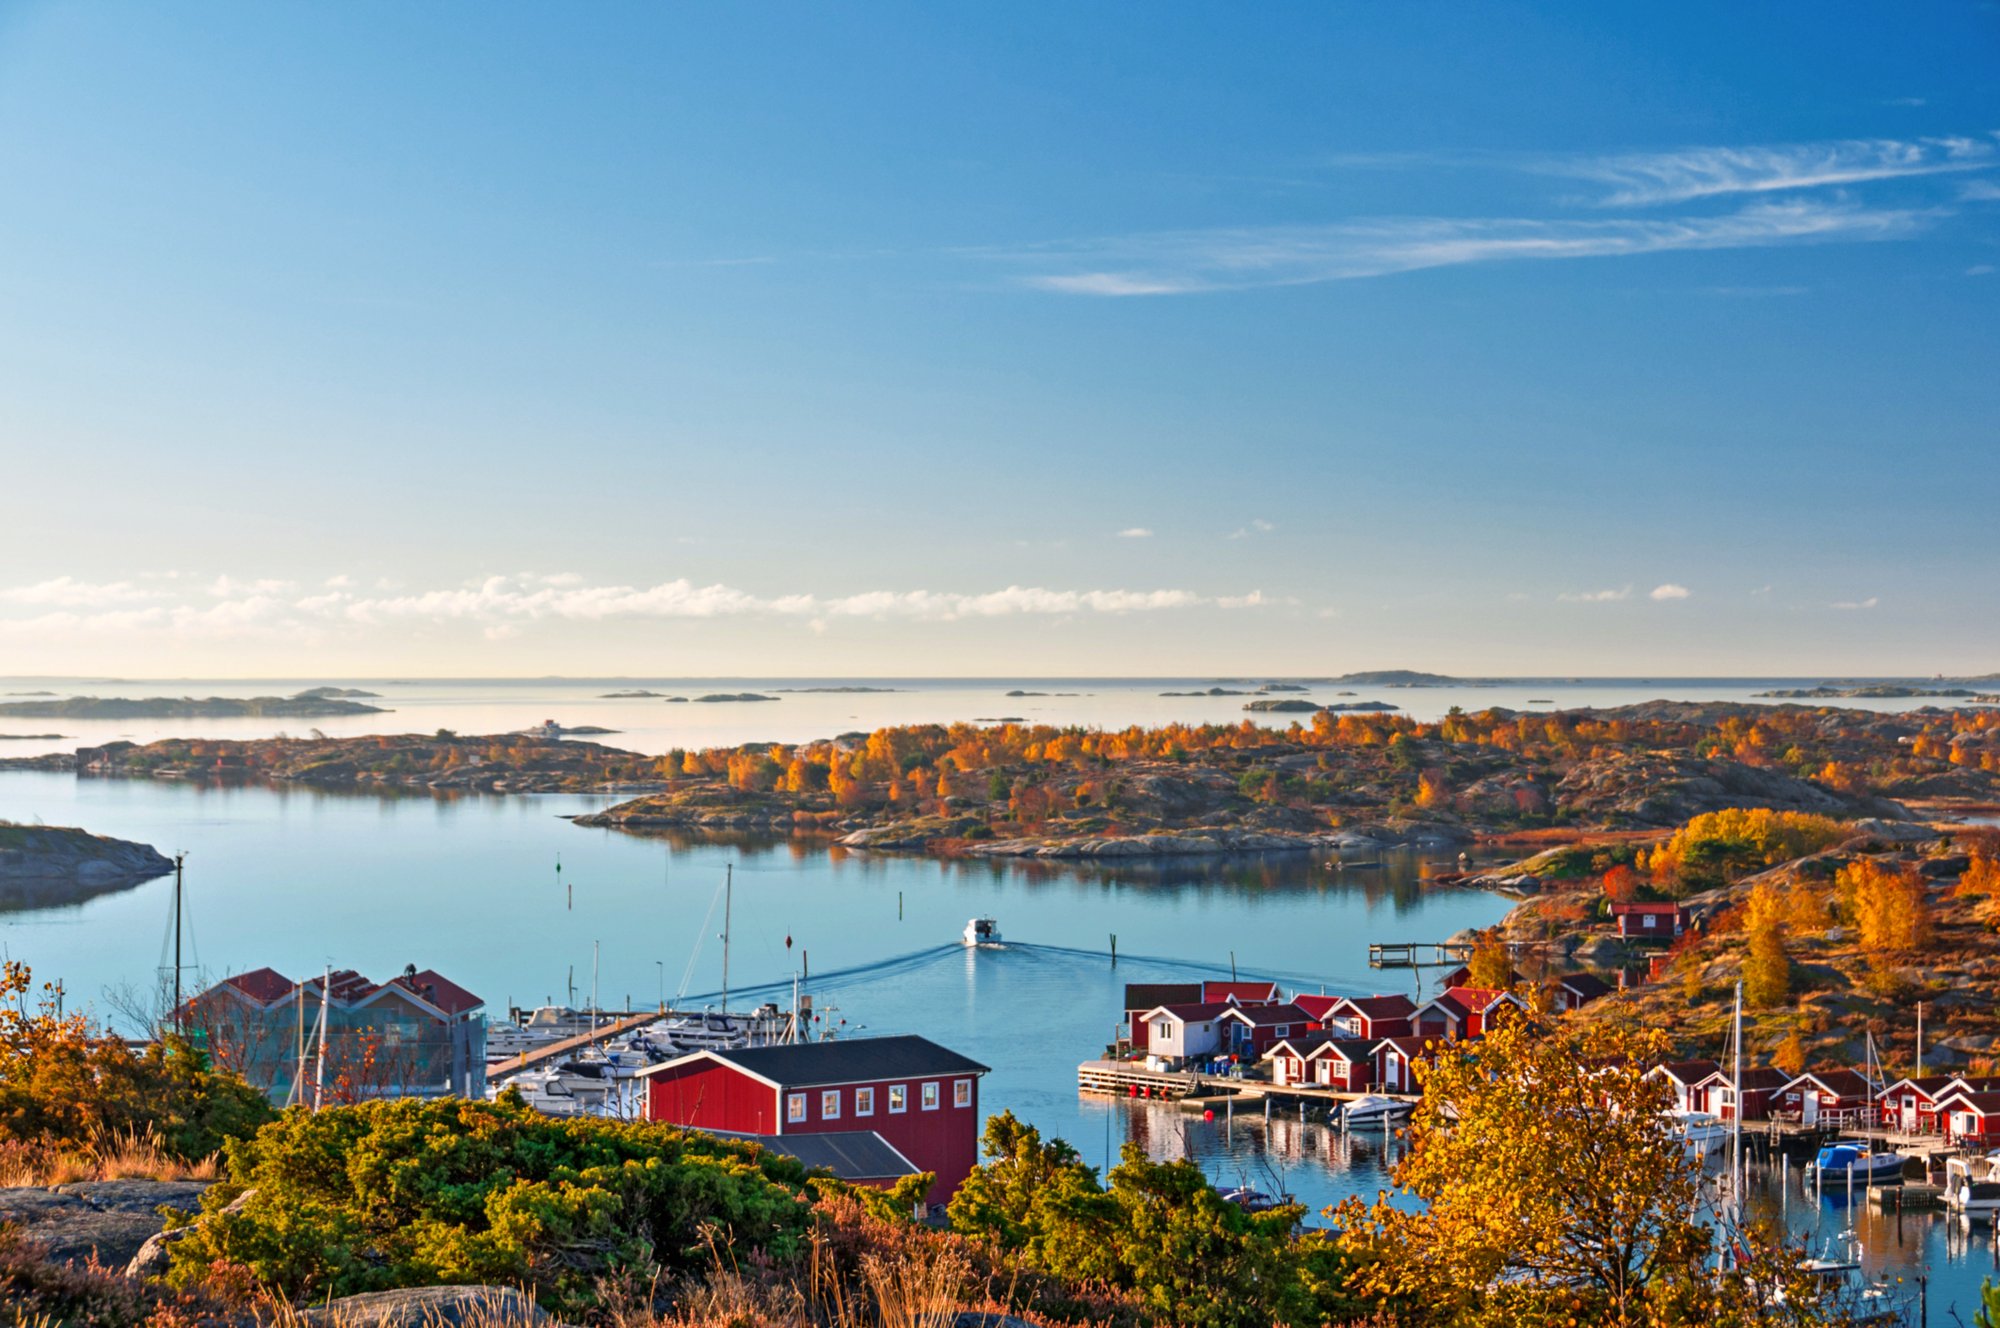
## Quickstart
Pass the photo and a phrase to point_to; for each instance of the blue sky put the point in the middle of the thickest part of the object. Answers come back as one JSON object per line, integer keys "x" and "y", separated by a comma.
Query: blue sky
{"x": 1019, "y": 339}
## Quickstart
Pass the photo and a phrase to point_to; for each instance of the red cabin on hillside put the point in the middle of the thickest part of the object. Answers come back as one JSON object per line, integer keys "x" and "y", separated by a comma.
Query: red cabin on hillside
{"x": 1911, "y": 1105}
{"x": 1650, "y": 922}
{"x": 920, "y": 1098}
{"x": 1685, "y": 1079}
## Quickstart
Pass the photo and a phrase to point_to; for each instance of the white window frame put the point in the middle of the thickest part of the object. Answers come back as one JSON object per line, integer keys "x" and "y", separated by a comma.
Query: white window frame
{"x": 831, "y": 1095}
{"x": 899, "y": 1099}
{"x": 795, "y": 1108}
{"x": 864, "y": 1101}
{"x": 961, "y": 1093}
{"x": 933, "y": 1095}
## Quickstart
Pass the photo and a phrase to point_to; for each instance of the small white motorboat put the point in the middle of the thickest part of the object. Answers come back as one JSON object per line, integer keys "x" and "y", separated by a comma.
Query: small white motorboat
{"x": 1972, "y": 1185}
{"x": 982, "y": 931}
{"x": 1703, "y": 1132}
{"x": 1374, "y": 1109}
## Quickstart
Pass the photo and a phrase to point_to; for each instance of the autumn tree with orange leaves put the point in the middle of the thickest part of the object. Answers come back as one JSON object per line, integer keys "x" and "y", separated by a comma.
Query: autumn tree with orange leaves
{"x": 1555, "y": 1191}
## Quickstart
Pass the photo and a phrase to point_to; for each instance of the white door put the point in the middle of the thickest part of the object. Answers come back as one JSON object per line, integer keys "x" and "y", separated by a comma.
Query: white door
{"x": 1808, "y": 1107}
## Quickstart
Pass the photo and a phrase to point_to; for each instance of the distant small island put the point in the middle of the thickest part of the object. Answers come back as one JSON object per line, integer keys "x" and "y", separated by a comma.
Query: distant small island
{"x": 30, "y": 693}
{"x": 31, "y": 737}
{"x": 735, "y": 696}
{"x": 639, "y": 694}
{"x": 1213, "y": 691}
{"x": 303, "y": 706}
{"x": 838, "y": 691}
{"x": 1018, "y": 692}
{"x": 1294, "y": 706}
{"x": 335, "y": 693}
{"x": 1865, "y": 691}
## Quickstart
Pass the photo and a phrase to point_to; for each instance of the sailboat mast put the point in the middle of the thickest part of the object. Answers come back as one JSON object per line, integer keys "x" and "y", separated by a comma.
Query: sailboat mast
{"x": 179, "y": 858}
{"x": 319, "y": 1062}
{"x": 728, "y": 898}
{"x": 1736, "y": 1105}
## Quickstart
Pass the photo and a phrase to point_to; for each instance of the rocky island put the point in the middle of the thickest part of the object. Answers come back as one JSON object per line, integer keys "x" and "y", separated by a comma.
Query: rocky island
{"x": 1354, "y": 780}
{"x": 306, "y": 705}
{"x": 43, "y": 866}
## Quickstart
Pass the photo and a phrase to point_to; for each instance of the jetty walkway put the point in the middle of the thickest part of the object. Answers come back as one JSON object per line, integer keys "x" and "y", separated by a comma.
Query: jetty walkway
{"x": 1119, "y": 1078}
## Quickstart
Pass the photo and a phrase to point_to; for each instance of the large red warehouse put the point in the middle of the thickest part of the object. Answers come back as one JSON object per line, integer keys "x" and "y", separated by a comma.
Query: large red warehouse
{"x": 922, "y": 1099}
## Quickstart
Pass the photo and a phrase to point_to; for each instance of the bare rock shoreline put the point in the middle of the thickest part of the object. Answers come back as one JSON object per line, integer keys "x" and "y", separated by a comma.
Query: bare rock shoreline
{"x": 48, "y": 864}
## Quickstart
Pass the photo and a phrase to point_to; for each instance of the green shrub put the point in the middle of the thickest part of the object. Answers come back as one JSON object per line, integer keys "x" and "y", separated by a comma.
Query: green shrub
{"x": 417, "y": 1193}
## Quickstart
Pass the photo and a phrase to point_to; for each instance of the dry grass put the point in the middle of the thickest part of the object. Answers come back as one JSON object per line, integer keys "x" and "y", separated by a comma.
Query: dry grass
{"x": 115, "y": 1156}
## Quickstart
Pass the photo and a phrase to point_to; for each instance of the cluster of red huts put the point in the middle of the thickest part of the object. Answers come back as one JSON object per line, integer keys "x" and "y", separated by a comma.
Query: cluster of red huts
{"x": 1346, "y": 1043}
{"x": 1961, "y": 1108}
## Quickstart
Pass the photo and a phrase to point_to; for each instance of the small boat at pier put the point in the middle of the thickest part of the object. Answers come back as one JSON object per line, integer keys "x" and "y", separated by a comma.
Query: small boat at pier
{"x": 1859, "y": 1162}
{"x": 1972, "y": 1185}
{"x": 1374, "y": 1109}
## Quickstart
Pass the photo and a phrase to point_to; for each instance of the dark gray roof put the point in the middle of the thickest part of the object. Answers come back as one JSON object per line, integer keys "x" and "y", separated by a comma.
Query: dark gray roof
{"x": 854, "y": 1060}
{"x": 848, "y": 1154}
{"x": 1143, "y": 996}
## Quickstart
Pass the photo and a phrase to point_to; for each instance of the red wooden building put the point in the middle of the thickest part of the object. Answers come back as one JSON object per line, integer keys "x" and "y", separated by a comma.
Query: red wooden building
{"x": 1461, "y": 1012}
{"x": 1395, "y": 1063}
{"x": 1685, "y": 1079}
{"x": 1141, "y": 997}
{"x": 1717, "y": 1095}
{"x": 1246, "y": 992}
{"x": 1371, "y": 1017}
{"x": 1573, "y": 991}
{"x": 1251, "y": 1030}
{"x": 1650, "y": 922}
{"x": 1823, "y": 1096}
{"x": 1911, "y": 1105}
{"x": 1971, "y": 1118}
{"x": 920, "y": 1098}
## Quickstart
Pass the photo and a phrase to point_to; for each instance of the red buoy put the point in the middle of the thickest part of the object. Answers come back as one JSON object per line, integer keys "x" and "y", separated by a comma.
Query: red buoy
{"x": 1208, "y": 1115}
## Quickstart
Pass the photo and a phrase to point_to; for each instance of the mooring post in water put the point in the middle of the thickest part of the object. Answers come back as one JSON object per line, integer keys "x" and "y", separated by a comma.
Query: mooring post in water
{"x": 1232, "y": 966}
{"x": 1114, "y": 949}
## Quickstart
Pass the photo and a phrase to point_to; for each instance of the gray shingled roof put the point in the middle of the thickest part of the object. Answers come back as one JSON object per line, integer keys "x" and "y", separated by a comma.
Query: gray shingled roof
{"x": 854, "y": 1060}
{"x": 848, "y": 1154}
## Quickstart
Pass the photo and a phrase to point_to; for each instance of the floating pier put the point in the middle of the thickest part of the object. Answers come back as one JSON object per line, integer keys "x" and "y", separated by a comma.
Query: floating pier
{"x": 1120, "y": 1078}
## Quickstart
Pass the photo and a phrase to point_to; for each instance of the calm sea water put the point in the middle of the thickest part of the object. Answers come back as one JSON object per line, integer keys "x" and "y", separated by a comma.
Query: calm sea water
{"x": 298, "y": 880}
{"x": 654, "y": 726}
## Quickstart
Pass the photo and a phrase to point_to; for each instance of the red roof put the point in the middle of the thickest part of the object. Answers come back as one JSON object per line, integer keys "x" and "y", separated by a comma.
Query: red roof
{"x": 1980, "y": 1104}
{"x": 1476, "y": 998}
{"x": 432, "y": 986}
{"x": 1408, "y": 1047}
{"x": 1318, "y": 1006}
{"x": 1258, "y": 1016}
{"x": 1688, "y": 1072}
{"x": 1655, "y": 909}
{"x": 1382, "y": 1007}
{"x": 1245, "y": 992}
{"x": 1841, "y": 1083}
{"x": 263, "y": 985}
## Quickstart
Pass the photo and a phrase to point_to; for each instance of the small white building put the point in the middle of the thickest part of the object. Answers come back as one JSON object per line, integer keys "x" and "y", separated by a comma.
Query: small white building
{"x": 1186, "y": 1032}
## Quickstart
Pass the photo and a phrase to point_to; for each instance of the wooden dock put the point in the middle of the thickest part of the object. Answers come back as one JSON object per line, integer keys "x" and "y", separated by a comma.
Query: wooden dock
{"x": 1430, "y": 954}
{"x": 551, "y": 1051}
{"x": 1119, "y": 1078}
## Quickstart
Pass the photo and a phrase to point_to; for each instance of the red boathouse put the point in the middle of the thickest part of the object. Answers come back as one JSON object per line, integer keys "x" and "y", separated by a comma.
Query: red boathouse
{"x": 922, "y": 1099}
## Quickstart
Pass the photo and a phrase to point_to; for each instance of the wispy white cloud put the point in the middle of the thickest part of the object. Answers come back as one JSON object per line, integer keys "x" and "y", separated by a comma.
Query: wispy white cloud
{"x": 1650, "y": 178}
{"x": 1595, "y": 596}
{"x": 1979, "y": 270}
{"x": 270, "y": 606}
{"x": 1980, "y": 191}
{"x": 1669, "y": 591}
{"x": 69, "y": 592}
{"x": 1135, "y": 532}
{"x": 1182, "y": 262}
{"x": 1849, "y": 605}
{"x": 1257, "y": 526}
